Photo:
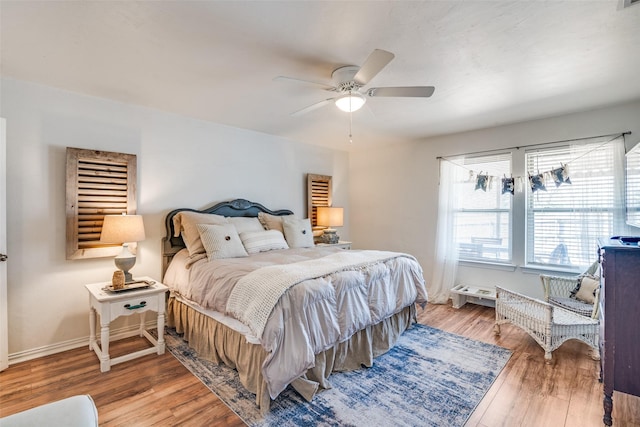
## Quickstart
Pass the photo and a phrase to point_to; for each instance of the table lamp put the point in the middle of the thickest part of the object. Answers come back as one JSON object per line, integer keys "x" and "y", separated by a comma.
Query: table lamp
{"x": 123, "y": 229}
{"x": 330, "y": 217}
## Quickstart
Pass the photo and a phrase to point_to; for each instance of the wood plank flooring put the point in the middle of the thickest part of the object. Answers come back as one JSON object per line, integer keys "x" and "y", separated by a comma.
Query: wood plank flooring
{"x": 158, "y": 391}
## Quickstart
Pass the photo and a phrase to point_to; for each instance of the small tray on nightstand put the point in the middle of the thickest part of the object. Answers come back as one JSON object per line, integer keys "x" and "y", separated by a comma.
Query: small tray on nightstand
{"x": 136, "y": 284}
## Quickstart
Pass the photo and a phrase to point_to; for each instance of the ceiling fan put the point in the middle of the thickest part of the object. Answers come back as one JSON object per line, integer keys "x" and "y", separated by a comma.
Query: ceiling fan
{"x": 349, "y": 83}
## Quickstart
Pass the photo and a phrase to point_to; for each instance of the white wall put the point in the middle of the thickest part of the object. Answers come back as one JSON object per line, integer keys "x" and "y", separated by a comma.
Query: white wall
{"x": 394, "y": 190}
{"x": 182, "y": 162}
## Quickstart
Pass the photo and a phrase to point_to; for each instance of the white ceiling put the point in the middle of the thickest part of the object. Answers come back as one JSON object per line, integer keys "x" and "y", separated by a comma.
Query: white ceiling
{"x": 492, "y": 62}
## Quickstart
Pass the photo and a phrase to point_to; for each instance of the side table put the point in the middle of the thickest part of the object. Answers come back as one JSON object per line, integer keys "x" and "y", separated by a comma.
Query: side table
{"x": 341, "y": 244}
{"x": 111, "y": 304}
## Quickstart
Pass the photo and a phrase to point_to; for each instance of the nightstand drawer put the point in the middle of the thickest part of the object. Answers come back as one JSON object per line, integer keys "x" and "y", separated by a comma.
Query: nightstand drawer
{"x": 132, "y": 305}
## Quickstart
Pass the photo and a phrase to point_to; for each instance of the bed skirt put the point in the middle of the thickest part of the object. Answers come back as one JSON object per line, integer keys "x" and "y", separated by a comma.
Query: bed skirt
{"x": 218, "y": 343}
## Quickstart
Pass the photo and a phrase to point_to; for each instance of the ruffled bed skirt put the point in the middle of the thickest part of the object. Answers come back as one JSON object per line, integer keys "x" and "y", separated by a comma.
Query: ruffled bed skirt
{"x": 216, "y": 342}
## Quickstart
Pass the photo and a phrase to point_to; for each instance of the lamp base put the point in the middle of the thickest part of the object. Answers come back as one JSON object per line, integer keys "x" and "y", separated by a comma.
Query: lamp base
{"x": 125, "y": 262}
{"x": 330, "y": 236}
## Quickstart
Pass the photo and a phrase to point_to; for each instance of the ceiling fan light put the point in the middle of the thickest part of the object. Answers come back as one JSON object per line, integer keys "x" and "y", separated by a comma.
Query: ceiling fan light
{"x": 350, "y": 102}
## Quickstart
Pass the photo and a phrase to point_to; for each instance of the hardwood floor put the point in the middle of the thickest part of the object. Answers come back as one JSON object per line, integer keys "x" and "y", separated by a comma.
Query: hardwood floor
{"x": 159, "y": 391}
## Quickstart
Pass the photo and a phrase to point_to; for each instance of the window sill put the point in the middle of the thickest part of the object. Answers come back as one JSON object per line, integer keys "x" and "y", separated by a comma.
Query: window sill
{"x": 543, "y": 269}
{"x": 490, "y": 265}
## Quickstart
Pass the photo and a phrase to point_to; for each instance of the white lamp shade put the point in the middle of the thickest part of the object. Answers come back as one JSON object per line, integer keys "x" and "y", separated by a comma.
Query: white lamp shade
{"x": 351, "y": 102}
{"x": 330, "y": 216}
{"x": 122, "y": 229}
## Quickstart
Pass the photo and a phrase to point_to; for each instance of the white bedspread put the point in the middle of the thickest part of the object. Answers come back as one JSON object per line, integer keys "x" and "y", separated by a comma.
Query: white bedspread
{"x": 315, "y": 314}
{"x": 255, "y": 295}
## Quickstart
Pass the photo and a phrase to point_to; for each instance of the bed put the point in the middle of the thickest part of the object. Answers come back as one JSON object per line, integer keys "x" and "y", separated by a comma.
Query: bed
{"x": 279, "y": 310}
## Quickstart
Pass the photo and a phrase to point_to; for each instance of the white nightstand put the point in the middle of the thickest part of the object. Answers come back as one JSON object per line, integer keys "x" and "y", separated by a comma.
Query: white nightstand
{"x": 111, "y": 305}
{"x": 341, "y": 244}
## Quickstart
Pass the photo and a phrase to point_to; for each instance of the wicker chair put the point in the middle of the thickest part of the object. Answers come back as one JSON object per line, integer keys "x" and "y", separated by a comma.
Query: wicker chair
{"x": 548, "y": 325}
{"x": 557, "y": 291}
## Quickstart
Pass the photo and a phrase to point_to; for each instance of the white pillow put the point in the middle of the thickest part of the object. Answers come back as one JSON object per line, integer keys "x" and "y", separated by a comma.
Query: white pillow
{"x": 244, "y": 223}
{"x": 262, "y": 241}
{"x": 588, "y": 285}
{"x": 298, "y": 232}
{"x": 221, "y": 241}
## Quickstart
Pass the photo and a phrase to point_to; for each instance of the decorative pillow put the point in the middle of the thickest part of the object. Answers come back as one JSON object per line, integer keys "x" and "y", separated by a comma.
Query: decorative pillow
{"x": 272, "y": 222}
{"x": 298, "y": 232}
{"x": 221, "y": 241}
{"x": 185, "y": 222}
{"x": 245, "y": 224}
{"x": 262, "y": 241}
{"x": 587, "y": 290}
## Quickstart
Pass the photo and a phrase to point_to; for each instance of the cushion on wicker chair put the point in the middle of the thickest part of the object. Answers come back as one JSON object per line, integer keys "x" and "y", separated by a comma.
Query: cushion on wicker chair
{"x": 587, "y": 291}
{"x": 573, "y": 304}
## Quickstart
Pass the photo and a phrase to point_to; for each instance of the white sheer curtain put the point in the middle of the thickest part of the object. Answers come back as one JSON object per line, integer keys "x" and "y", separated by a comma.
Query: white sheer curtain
{"x": 446, "y": 251}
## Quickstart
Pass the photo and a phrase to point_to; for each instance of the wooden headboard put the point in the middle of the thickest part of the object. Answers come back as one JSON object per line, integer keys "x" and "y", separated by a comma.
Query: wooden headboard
{"x": 238, "y": 207}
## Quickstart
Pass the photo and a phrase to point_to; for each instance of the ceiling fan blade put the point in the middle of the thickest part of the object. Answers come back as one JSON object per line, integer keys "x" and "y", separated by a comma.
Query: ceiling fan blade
{"x": 309, "y": 82}
{"x": 407, "y": 91}
{"x": 312, "y": 107}
{"x": 377, "y": 60}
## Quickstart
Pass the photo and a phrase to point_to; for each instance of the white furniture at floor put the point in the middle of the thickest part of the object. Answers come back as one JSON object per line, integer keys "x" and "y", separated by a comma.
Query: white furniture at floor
{"x": 341, "y": 244}
{"x": 75, "y": 411}
{"x": 549, "y": 325}
{"x": 462, "y": 294}
{"x": 111, "y": 305}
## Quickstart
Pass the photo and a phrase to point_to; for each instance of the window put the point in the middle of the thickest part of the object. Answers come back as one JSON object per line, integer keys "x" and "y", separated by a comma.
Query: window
{"x": 555, "y": 227}
{"x": 564, "y": 222}
{"x": 483, "y": 219}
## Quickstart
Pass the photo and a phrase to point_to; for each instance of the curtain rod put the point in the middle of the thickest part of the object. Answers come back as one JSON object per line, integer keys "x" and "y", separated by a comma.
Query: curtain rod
{"x": 536, "y": 145}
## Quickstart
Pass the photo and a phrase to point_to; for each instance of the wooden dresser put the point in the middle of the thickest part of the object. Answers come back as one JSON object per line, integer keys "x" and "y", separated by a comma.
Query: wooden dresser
{"x": 619, "y": 320}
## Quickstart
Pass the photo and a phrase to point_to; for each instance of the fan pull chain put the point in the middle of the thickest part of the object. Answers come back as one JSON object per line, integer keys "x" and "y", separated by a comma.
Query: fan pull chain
{"x": 350, "y": 119}
{"x": 350, "y": 126}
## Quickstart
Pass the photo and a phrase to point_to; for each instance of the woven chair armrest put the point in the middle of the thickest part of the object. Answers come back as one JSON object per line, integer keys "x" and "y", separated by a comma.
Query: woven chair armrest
{"x": 525, "y": 306}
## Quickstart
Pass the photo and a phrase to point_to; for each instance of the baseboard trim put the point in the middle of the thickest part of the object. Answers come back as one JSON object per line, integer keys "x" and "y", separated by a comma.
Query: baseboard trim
{"x": 34, "y": 353}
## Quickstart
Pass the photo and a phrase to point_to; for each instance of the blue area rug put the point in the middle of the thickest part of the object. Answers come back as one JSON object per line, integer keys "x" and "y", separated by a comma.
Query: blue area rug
{"x": 430, "y": 378}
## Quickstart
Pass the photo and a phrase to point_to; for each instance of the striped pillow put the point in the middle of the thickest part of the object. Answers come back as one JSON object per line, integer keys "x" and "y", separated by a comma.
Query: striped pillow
{"x": 186, "y": 223}
{"x": 262, "y": 241}
{"x": 221, "y": 241}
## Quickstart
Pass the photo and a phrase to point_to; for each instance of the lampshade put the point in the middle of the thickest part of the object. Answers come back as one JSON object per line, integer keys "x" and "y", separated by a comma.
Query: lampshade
{"x": 122, "y": 229}
{"x": 353, "y": 101}
{"x": 330, "y": 216}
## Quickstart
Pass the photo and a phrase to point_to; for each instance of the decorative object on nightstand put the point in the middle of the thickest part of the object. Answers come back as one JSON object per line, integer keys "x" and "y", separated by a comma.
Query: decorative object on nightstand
{"x": 117, "y": 281}
{"x": 123, "y": 229}
{"x": 110, "y": 304}
{"x": 330, "y": 217}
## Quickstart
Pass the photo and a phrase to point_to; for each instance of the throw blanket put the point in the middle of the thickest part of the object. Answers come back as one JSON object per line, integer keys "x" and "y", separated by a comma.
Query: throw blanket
{"x": 256, "y": 294}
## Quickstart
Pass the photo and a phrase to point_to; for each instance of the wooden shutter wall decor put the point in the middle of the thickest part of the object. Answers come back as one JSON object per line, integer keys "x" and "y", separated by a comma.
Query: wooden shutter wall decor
{"x": 99, "y": 183}
{"x": 319, "y": 193}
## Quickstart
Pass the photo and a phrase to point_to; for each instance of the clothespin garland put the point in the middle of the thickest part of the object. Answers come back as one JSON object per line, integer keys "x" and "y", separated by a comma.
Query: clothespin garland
{"x": 508, "y": 185}
{"x": 561, "y": 175}
{"x": 482, "y": 181}
{"x": 536, "y": 182}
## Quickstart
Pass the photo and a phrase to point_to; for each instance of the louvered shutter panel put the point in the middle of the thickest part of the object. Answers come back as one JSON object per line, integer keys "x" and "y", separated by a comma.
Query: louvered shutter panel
{"x": 318, "y": 194}
{"x": 99, "y": 183}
